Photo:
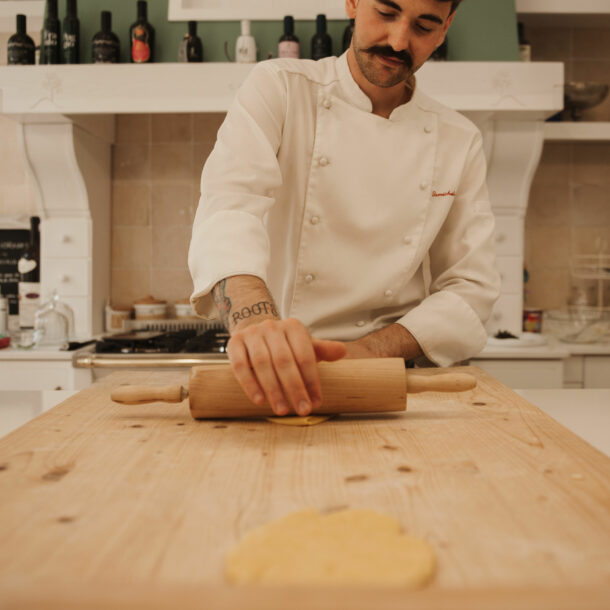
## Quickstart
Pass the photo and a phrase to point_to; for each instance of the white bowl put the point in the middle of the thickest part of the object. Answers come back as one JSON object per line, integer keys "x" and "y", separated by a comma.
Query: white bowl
{"x": 578, "y": 324}
{"x": 184, "y": 310}
{"x": 150, "y": 311}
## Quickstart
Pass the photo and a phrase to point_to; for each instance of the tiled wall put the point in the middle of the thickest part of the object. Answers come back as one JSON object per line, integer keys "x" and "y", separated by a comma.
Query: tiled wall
{"x": 157, "y": 166}
{"x": 569, "y": 208}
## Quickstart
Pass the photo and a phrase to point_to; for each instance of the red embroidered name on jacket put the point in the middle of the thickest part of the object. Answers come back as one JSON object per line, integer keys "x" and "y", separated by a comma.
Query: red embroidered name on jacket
{"x": 447, "y": 194}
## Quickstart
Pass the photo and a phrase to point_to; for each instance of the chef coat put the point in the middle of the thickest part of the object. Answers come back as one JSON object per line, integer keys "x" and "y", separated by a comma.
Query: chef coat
{"x": 337, "y": 209}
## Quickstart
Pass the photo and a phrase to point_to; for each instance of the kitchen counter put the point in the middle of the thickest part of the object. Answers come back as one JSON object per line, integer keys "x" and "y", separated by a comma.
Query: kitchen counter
{"x": 135, "y": 506}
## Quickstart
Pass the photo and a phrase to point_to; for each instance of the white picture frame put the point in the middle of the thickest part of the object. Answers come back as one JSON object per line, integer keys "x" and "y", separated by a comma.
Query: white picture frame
{"x": 255, "y": 10}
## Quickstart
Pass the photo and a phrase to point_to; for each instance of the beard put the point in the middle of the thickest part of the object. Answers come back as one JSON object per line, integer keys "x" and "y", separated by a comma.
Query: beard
{"x": 379, "y": 74}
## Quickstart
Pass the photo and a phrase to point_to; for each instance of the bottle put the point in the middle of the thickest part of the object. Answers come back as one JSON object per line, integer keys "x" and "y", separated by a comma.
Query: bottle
{"x": 142, "y": 37}
{"x": 347, "y": 34}
{"x": 29, "y": 277}
{"x": 525, "y": 49}
{"x": 49, "y": 37}
{"x": 440, "y": 53}
{"x": 288, "y": 45}
{"x": 321, "y": 43}
{"x": 70, "y": 35}
{"x": 106, "y": 47}
{"x": 3, "y": 313}
{"x": 191, "y": 47}
{"x": 21, "y": 48}
{"x": 245, "y": 47}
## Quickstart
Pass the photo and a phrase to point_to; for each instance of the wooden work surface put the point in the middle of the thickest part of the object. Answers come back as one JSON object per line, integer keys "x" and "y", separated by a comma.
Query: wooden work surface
{"x": 104, "y": 505}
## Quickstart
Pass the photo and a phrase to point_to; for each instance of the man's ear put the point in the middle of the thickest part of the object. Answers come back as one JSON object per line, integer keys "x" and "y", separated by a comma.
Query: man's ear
{"x": 350, "y": 8}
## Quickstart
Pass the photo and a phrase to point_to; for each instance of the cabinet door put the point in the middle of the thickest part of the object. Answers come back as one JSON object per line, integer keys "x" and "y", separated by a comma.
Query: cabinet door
{"x": 524, "y": 374}
{"x": 597, "y": 372}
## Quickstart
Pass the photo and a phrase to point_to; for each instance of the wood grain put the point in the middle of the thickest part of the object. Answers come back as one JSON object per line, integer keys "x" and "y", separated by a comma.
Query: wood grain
{"x": 100, "y": 499}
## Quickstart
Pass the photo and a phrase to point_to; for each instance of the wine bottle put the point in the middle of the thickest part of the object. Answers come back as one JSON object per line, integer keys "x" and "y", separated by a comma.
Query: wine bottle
{"x": 245, "y": 47}
{"x": 321, "y": 43}
{"x": 105, "y": 46}
{"x": 21, "y": 48}
{"x": 191, "y": 47}
{"x": 525, "y": 49}
{"x": 28, "y": 267}
{"x": 348, "y": 32}
{"x": 142, "y": 37}
{"x": 288, "y": 45}
{"x": 70, "y": 35}
{"x": 49, "y": 38}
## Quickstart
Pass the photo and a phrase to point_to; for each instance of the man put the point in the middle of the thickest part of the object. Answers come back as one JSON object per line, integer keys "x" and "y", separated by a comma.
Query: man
{"x": 332, "y": 186}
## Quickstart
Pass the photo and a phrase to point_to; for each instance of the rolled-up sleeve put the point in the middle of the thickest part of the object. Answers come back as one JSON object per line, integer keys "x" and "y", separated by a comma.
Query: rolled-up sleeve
{"x": 449, "y": 323}
{"x": 237, "y": 189}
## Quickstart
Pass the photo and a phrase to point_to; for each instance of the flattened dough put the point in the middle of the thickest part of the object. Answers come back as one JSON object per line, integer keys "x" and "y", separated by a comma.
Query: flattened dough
{"x": 348, "y": 547}
{"x": 297, "y": 420}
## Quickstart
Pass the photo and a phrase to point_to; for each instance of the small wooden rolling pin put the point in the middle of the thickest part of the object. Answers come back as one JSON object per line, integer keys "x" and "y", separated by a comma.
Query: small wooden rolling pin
{"x": 348, "y": 386}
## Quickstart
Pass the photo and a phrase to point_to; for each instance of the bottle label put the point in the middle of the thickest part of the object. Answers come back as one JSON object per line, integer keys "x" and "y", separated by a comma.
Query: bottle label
{"x": 105, "y": 52}
{"x": 182, "y": 51}
{"x": 288, "y": 48}
{"x": 29, "y": 302}
{"x": 140, "y": 49}
{"x": 50, "y": 39}
{"x": 69, "y": 41}
{"x": 19, "y": 53}
{"x": 25, "y": 265}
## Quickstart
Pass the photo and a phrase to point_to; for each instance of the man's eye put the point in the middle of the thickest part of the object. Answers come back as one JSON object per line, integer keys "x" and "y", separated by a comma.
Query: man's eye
{"x": 386, "y": 15}
{"x": 422, "y": 28}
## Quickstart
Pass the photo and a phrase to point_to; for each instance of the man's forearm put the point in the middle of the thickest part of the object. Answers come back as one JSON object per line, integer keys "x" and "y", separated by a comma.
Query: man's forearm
{"x": 393, "y": 341}
{"x": 242, "y": 300}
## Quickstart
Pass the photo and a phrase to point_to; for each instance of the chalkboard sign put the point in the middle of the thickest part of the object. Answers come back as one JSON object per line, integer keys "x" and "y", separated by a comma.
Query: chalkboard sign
{"x": 12, "y": 244}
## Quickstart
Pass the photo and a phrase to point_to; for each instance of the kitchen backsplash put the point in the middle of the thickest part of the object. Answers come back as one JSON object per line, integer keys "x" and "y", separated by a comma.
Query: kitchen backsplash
{"x": 569, "y": 208}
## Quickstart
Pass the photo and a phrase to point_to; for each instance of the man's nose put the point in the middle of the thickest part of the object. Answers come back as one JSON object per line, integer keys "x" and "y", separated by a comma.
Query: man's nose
{"x": 400, "y": 37}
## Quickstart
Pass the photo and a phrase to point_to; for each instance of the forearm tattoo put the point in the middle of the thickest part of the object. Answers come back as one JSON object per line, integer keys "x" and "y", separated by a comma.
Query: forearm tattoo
{"x": 223, "y": 302}
{"x": 258, "y": 309}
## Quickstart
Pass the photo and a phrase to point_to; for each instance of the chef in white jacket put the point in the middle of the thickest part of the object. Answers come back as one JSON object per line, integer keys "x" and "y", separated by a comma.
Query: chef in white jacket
{"x": 344, "y": 213}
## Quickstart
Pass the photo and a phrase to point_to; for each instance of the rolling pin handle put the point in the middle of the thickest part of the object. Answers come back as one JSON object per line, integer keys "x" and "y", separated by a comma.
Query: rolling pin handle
{"x": 442, "y": 382}
{"x": 138, "y": 394}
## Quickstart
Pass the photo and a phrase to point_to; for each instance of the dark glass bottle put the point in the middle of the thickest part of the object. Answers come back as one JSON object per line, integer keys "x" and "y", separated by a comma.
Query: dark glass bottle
{"x": 49, "y": 38}
{"x": 321, "y": 43}
{"x": 21, "y": 48}
{"x": 29, "y": 277}
{"x": 191, "y": 47}
{"x": 70, "y": 35}
{"x": 348, "y": 32}
{"x": 288, "y": 45}
{"x": 105, "y": 46}
{"x": 142, "y": 37}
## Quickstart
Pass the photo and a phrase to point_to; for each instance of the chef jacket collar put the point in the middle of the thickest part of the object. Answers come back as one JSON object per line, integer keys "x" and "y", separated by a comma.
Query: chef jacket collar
{"x": 354, "y": 95}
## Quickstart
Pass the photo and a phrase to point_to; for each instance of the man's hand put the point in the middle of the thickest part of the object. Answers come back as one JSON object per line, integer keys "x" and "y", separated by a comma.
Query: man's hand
{"x": 277, "y": 360}
{"x": 272, "y": 359}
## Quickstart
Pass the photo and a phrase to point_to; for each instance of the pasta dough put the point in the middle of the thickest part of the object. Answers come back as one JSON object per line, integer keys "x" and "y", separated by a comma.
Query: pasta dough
{"x": 348, "y": 547}
{"x": 297, "y": 420}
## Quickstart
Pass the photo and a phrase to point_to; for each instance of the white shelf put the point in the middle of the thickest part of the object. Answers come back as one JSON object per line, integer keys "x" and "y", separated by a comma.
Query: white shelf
{"x": 564, "y": 13}
{"x": 528, "y": 90}
{"x": 32, "y": 9}
{"x": 562, "y": 131}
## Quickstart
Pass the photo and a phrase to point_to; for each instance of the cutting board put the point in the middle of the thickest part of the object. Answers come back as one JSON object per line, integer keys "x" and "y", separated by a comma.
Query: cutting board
{"x": 105, "y": 505}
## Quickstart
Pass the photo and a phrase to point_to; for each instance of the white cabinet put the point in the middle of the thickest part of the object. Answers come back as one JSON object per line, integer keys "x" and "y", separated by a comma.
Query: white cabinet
{"x": 525, "y": 374}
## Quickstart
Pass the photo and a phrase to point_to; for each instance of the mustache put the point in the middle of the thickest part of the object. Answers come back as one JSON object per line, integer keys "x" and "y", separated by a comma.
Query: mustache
{"x": 388, "y": 51}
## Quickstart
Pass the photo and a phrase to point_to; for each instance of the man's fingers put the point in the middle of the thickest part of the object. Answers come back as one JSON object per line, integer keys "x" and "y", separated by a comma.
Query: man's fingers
{"x": 240, "y": 363}
{"x": 329, "y": 350}
{"x": 300, "y": 342}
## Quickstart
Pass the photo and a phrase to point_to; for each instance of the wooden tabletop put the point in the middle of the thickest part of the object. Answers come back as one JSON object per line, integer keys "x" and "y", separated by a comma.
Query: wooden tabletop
{"x": 105, "y": 505}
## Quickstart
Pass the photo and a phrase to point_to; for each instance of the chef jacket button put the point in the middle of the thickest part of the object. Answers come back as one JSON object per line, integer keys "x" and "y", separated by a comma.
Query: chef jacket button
{"x": 323, "y": 161}
{"x": 309, "y": 278}
{"x": 314, "y": 220}
{"x": 407, "y": 240}
{"x": 327, "y": 104}
{"x": 360, "y": 323}
{"x": 388, "y": 293}
{"x": 428, "y": 129}
{"x": 423, "y": 186}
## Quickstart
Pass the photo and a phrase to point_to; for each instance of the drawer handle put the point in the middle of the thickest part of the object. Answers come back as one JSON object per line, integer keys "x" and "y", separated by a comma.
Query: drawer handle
{"x": 497, "y": 316}
{"x": 500, "y": 238}
{"x": 65, "y": 278}
{"x": 66, "y": 239}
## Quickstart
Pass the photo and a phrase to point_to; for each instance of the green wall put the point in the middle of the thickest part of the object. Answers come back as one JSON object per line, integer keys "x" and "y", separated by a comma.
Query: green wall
{"x": 483, "y": 30}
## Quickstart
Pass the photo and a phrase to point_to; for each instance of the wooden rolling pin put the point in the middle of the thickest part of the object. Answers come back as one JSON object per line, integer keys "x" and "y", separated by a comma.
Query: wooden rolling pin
{"x": 348, "y": 386}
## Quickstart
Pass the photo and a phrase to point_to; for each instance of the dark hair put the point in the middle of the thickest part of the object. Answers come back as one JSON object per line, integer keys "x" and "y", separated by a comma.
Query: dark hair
{"x": 454, "y": 4}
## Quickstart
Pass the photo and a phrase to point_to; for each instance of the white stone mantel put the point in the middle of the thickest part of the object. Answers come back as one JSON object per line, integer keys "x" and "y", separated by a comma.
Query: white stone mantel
{"x": 67, "y": 113}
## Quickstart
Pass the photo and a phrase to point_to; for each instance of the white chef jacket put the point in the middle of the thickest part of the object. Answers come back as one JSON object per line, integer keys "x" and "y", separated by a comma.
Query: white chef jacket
{"x": 336, "y": 209}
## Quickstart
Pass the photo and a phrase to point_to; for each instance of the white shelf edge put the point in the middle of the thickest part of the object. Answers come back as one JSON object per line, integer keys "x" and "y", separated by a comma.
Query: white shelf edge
{"x": 578, "y": 132}
{"x": 32, "y": 9}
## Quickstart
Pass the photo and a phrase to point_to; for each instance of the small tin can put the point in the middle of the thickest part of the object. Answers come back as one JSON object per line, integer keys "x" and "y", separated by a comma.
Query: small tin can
{"x": 532, "y": 320}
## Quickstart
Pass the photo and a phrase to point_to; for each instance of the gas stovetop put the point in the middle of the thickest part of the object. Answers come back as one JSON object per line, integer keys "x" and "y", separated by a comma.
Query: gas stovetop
{"x": 190, "y": 341}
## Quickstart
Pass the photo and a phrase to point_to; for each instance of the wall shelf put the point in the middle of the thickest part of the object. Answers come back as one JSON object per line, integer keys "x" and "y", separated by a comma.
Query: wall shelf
{"x": 564, "y": 13}
{"x": 562, "y": 131}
